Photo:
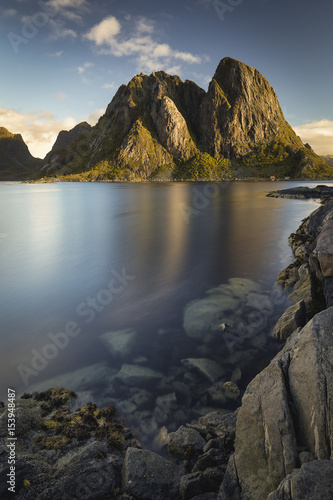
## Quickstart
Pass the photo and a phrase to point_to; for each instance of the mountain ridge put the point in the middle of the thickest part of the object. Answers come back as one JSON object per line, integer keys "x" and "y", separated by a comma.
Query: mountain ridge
{"x": 16, "y": 161}
{"x": 158, "y": 127}
{"x": 159, "y": 123}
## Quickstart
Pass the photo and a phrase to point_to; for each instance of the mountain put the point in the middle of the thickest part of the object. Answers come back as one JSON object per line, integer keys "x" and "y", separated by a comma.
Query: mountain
{"x": 60, "y": 155}
{"x": 16, "y": 162}
{"x": 158, "y": 125}
{"x": 328, "y": 159}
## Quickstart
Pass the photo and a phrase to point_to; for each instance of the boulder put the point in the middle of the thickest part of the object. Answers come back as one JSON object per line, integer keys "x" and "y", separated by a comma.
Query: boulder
{"x": 290, "y": 320}
{"x": 231, "y": 390}
{"x": 210, "y": 369}
{"x": 201, "y": 316}
{"x": 185, "y": 443}
{"x": 294, "y": 392}
{"x": 120, "y": 343}
{"x": 324, "y": 249}
{"x": 200, "y": 482}
{"x": 137, "y": 375}
{"x": 148, "y": 476}
{"x": 312, "y": 481}
{"x": 220, "y": 425}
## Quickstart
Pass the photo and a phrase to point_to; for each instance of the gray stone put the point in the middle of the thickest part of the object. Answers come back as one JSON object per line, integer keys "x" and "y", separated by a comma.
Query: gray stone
{"x": 328, "y": 291}
{"x": 299, "y": 377}
{"x": 206, "y": 496}
{"x": 148, "y": 476}
{"x": 137, "y": 375}
{"x": 216, "y": 394}
{"x": 185, "y": 443}
{"x": 214, "y": 457}
{"x": 200, "y": 482}
{"x": 120, "y": 343}
{"x": 231, "y": 390}
{"x": 290, "y": 320}
{"x": 165, "y": 406}
{"x": 324, "y": 249}
{"x": 230, "y": 488}
{"x": 220, "y": 424}
{"x": 202, "y": 315}
{"x": 305, "y": 457}
{"x": 313, "y": 481}
{"x": 210, "y": 369}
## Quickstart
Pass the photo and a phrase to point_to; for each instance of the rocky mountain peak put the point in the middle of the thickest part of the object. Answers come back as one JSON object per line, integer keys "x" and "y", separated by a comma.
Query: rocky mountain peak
{"x": 158, "y": 120}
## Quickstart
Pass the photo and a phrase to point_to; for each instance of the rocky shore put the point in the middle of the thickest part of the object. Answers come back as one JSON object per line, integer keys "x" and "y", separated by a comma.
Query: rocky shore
{"x": 276, "y": 446}
{"x": 321, "y": 192}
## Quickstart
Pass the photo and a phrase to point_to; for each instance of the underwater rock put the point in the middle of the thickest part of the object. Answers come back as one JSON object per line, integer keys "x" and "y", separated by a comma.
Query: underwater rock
{"x": 120, "y": 343}
{"x": 210, "y": 369}
{"x": 137, "y": 375}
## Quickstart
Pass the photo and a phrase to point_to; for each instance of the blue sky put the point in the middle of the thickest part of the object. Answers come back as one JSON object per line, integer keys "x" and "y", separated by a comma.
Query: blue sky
{"x": 63, "y": 60}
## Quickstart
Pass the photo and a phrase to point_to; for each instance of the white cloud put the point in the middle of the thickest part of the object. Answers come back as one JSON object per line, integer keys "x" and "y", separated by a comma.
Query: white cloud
{"x": 62, "y": 12}
{"x": 59, "y": 30}
{"x": 38, "y": 129}
{"x": 104, "y": 33}
{"x": 84, "y": 67}
{"x": 95, "y": 116}
{"x": 319, "y": 134}
{"x": 149, "y": 55}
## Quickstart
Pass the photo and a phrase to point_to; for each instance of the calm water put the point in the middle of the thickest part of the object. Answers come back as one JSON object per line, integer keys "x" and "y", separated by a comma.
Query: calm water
{"x": 129, "y": 258}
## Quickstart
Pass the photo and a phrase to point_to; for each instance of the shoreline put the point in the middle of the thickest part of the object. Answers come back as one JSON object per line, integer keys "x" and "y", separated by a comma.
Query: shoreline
{"x": 224, "y": 456}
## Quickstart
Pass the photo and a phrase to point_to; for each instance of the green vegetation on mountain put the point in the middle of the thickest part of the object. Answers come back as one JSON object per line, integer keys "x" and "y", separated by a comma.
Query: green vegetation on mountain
{"x": 160, "y": 128}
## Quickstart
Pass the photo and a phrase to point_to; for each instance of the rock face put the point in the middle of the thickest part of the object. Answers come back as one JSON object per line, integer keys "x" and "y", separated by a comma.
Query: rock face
{"x": 16, "y": 162}
{"x": 149, "y": 476}
{"x": 288, "y": 407}
{"x": 311, "y": 275}
{"x": 313, "y": 480}
{"x": 158, "y": 120}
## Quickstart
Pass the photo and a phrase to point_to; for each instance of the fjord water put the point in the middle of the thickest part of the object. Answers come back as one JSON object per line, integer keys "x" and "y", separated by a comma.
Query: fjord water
{"x": 159, "y": 245}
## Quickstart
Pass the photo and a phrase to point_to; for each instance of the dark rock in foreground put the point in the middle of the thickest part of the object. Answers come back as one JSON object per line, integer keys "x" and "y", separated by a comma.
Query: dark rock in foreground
{"x": 286, "y": 409}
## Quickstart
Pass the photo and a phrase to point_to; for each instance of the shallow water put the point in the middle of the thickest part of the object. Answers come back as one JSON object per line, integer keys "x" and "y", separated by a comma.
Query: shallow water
{"x": 79, "y": 261}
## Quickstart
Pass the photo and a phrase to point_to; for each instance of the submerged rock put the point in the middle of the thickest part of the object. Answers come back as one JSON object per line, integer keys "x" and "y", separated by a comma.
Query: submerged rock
{"x": 120, "y": 343}
{"x": 137, "y": 375}
{"x": 210, "y": 369}
{"x": 204, "y": 315}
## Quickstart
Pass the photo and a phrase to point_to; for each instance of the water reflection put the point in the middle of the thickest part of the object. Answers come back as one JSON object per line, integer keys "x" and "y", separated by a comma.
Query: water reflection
{"x": 65, "y": 240}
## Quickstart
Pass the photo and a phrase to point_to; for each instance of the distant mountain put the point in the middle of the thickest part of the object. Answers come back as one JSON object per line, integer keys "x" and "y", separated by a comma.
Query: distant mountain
{"x": 328, "y": 159}
{"x": 16, "y": 162}
{"x": 159, "y": 125}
